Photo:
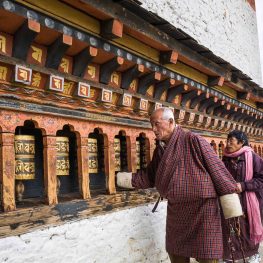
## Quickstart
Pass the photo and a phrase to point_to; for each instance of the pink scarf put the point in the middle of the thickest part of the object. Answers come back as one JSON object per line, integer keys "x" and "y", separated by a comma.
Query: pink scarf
{"x": 254, "y": 218}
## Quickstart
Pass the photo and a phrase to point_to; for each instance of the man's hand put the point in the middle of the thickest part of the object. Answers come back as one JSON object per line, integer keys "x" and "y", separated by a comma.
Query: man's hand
{"x": 239, "y": 188}
{"x": 124, "y": 180}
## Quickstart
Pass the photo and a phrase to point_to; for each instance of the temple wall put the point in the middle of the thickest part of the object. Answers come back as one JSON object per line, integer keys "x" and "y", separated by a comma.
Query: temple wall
{"x": 227, "y": 28}
{"x": 131, "y": 235}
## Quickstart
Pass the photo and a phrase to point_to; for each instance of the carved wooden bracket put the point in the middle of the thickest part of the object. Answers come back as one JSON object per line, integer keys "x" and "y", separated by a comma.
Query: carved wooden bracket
{"x": 212, "y": 107}
{"x": 162, "y": 86}
{"x": 129, "y": 75}
{"x": 111, "y": 29}
{"x": 82, "y": 59}
{"x": 198, "y": 99}
{"x": 243, "y": 95}
{"x": 146, "y": 81}
{"x": 188, "y": 96}
{"x": 215, "y": 81}
{"x": 108, "y": 68}
{"x": 57, "y": 50}
{"x": 206, "y": 103}
{"x": 174, "y": 91}
{"x": 24, "y": 37}
{"x": 168, "y": 57}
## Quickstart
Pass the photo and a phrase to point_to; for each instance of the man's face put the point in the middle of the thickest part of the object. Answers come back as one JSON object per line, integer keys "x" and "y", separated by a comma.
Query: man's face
{"x": 162, "y": 129}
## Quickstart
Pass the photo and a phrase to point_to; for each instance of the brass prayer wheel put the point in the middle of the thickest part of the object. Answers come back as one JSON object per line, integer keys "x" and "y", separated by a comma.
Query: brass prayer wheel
{"x": 117, "y": 150}
{"x": 138, "y": 155}
{"x": 93, "y": 155}
{"x": 62, "y": 165}
{"x": 24, "y": 157}
{"x": 143, "y": 154}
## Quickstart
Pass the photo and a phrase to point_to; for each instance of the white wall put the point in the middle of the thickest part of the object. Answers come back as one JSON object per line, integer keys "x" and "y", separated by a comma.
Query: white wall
{"x": 131, "y": 235}
{"x": 259, "y": 8}
{"x": 227, "y": 27}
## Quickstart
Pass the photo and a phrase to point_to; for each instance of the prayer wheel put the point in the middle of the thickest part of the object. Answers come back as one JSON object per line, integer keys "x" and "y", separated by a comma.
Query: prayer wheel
{"x": 24, "y": 157}
{"x": 93, "y": 155}
{"x": 138, "y": 155}
{"x": 62, "y": 146}
{"x": 123, "y": 153}
{"x": 117, "y": 150}
{"x": 143, "y": 154}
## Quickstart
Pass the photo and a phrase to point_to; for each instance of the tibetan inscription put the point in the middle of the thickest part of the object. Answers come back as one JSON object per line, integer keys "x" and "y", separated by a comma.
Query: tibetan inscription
{"x": 93, "y": 155}
{"x": 24, "y": 157}
{"x": 62, "y": 146}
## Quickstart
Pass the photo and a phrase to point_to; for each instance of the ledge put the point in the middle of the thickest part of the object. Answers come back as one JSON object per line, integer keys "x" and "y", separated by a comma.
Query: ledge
{"x": 25, "y": 220}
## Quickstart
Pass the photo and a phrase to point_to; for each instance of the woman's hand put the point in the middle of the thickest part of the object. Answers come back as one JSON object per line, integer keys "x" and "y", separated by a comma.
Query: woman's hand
{"x": 239, "y": 188}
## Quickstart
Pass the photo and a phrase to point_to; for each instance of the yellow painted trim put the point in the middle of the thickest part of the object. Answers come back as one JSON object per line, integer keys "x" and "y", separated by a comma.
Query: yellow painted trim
{"x": 138, "y": 47}
{"x": 189, "y": 72}
{"x": 227, "y": 90}
{"x": 249, "y": 103}
{"x": 64, "y": 13}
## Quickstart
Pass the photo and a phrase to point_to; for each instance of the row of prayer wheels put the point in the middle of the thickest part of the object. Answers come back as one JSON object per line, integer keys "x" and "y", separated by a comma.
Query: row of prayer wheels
{"x": 25, "y": 156}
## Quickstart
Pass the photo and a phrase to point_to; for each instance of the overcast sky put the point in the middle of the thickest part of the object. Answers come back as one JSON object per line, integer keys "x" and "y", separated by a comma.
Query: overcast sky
{"x": 259, "y": 8}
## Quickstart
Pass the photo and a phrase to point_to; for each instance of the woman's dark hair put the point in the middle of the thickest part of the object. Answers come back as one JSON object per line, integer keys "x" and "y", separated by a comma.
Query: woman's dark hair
{"x": 240, "y": 136}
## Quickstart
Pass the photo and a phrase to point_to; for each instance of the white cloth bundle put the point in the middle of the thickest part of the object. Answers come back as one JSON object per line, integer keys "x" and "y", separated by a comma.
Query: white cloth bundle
{"x": 231, "y": 205}
{"x": 124, "y": 180}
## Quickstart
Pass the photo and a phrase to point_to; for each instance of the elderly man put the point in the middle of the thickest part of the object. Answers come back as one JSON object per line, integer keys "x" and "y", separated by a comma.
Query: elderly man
{"x": 187, "y": 172}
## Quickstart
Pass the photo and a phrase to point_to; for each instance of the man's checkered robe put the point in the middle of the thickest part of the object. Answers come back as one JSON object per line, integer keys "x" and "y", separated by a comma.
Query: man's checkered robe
{"x": 191, "y": 176}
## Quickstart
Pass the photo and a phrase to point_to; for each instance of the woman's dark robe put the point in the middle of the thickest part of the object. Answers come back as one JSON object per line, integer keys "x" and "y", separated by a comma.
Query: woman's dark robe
{"x": 237, "y": 167}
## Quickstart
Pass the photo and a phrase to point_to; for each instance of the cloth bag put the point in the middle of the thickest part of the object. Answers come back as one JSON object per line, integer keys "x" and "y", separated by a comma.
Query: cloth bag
{"x": 231, "y": 205}
{"x": 124, "y": 180}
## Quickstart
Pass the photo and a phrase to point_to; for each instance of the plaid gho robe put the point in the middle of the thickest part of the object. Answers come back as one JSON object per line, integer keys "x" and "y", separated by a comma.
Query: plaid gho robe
{"x": 191, "y": 176}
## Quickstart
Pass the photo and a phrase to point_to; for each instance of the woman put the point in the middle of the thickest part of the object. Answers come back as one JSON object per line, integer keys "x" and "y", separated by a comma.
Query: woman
{"x": 247, "y": 169}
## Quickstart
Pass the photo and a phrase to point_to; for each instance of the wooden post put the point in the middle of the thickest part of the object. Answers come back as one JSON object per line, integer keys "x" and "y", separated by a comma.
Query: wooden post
{"x": 83, "y": 165}
{"x": 109, "y": 159}
{"x": 132, "y": 154}
{"x": 50, "y": 176}
{"x": 7, "y": 171}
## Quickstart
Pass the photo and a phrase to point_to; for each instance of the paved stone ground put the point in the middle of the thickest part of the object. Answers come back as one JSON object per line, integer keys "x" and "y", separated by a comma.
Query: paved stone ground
{"x": 260, "y": 251}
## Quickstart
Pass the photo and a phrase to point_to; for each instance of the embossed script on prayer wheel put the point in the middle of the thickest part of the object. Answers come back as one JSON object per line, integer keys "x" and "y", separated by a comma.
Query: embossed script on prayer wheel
{"x": 62, "y": 146}
{"x": 24, "y": 157}
{"x": 117, "y": 150}
{"x": 138, "y": 155}
{"x": 93, "y": 155}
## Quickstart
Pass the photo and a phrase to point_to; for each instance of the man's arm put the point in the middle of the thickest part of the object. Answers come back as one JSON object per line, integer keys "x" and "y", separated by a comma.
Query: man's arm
{"x": 146, "y": 178}
{"x": 142, "y": 179}
{"x": 223, "y": 181}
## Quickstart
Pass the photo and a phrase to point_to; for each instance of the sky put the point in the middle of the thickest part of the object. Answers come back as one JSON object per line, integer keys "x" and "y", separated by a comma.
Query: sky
{"x": 259, "y": 8}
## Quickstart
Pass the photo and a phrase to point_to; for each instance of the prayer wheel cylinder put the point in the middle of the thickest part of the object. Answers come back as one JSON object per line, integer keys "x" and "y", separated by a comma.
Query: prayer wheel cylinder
{"x": 24, "y": 157}
{"x": 143, "y": 154}
{"x": 117, "y": 150}
{"x": 93, "y": 155}
{"x": 138, "y": 155}
{"x": 62, "y": 146}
